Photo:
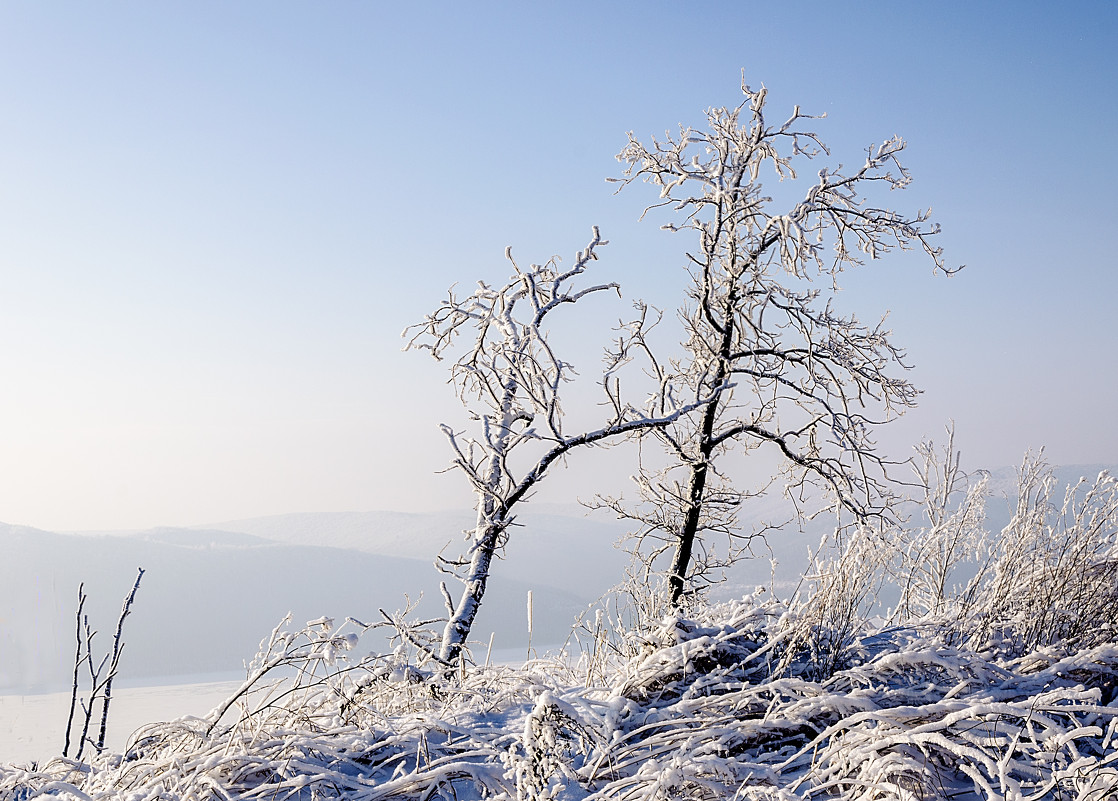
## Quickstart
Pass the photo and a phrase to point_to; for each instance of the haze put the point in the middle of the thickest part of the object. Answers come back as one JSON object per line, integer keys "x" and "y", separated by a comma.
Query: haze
{"x": 215, "y": 220}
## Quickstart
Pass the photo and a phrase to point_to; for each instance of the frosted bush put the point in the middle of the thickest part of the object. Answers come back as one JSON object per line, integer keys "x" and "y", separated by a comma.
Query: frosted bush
{"x": 1004, "y": 686}
{"x": 1055, "y": 577}
{"x": 703, "y": 711}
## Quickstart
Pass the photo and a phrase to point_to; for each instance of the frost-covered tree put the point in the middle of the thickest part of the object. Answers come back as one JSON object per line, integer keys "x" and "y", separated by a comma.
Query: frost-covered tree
{"x": 782, "y": 367}
{"x": 509, "y": 378}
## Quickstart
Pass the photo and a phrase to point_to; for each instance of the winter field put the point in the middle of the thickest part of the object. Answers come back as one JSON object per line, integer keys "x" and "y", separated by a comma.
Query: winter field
{"x": 722, "y": 411}
{"x": 994, "y": 675}
{"x": 904, "y": 638}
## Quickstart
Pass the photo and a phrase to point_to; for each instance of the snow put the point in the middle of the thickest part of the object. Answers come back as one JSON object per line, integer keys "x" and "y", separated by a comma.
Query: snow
{"x": 755, "y": 698}
{"x": 701, "y": 707}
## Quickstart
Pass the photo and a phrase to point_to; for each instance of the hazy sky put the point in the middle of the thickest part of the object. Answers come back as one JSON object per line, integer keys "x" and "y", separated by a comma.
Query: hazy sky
{"x": 216, "y": 218}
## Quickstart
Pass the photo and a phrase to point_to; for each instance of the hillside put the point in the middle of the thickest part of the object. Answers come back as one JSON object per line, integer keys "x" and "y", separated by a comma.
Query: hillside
{"x": 1002, "y": 687}
{"x": 209, "y": 596}
{"x": 726, "y": 704}
{"x": 550, "y": 541}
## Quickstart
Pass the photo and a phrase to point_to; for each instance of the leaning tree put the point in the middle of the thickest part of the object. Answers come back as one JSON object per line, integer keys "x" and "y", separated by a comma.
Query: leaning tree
{"x": 509, "y": 378}
{"x": 781, "y": 367}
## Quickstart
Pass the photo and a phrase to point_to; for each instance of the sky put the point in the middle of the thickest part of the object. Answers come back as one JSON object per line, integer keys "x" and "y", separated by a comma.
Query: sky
{"x": 216, "y": 219}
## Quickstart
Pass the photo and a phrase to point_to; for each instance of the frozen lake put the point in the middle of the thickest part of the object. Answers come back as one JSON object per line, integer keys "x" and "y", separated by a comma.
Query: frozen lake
{"x": 33, "y": 727}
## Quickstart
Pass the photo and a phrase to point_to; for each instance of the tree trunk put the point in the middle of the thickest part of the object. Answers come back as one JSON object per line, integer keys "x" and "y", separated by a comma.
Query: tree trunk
{"x": 677, "y": 581}
{"x": 459, "y": 625}
{"x": 686, "y": 543}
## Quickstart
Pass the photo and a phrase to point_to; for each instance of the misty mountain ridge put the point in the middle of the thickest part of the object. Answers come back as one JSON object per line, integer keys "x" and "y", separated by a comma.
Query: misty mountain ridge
{"x": 211, "y": 592}
{"x": 208, "y": 598}
{"x": 202, "y": 538}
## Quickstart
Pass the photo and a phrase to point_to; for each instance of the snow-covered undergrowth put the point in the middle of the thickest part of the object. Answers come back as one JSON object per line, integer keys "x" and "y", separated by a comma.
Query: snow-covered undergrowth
{"x": 1004, "y": 686}
{"x": 707, "y": 707}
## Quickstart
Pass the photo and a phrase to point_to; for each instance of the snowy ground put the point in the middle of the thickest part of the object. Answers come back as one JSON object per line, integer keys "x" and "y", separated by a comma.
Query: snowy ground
{"x": 726, "y": 705}
{"x": 32, "y": 727}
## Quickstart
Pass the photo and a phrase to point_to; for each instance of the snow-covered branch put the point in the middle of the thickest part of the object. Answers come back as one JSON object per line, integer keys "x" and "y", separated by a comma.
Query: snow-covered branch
{"x": 510, "y": 379}
{"x": 809, "y": 383}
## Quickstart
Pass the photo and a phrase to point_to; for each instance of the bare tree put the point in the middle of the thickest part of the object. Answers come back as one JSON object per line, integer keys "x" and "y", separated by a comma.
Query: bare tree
{"x": 782, "y": 368}
{"x": 100, "y": 681}
{"x": 509, "y": 379}
{"x": 79, "y": 659}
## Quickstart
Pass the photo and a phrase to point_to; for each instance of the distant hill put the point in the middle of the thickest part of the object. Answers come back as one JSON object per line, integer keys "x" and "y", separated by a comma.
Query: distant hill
{"x": 212, "y": 592}
{"x": 209, "y": 597}
{"x": 551, "y": 544}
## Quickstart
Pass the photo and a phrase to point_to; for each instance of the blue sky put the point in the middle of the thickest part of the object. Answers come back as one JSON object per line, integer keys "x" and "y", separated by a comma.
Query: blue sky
{"x": 216, "y": 218}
